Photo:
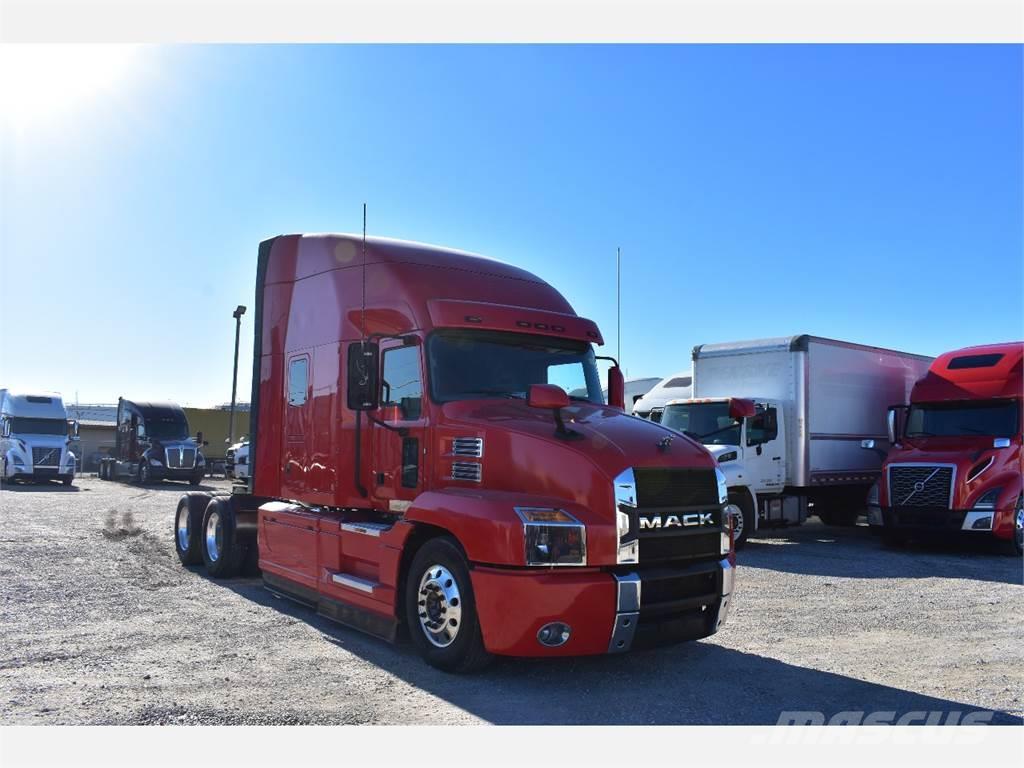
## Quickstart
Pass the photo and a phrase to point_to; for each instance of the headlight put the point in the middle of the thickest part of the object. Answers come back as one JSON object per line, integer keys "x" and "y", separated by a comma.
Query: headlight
{"x": 873, "y": 495}
{"x": 17, "y": 460}
{"x": 200, "y": 460}
{"x": 155, "y": 463}
{"x": 553, "y": 537}
{"x": 723, "y": 491}
{"x": 728, "y": 456}
{"x": 988, "y": 500}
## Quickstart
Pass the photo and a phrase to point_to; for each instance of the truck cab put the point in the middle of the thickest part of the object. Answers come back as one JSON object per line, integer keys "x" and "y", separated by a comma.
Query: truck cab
{"x": 419, "y": 466}
{"x": 956, "y": 459}
{"x": 152, "y": 443}
{"x": 747, "y": 437}
{"x": 36, "y": 437}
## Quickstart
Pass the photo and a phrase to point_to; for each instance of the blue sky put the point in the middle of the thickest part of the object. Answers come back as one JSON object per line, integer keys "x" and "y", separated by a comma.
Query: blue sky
{"x": 867, "y": 193}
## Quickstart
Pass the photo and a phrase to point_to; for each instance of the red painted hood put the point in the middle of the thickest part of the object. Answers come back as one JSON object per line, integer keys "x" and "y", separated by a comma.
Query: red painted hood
{"x": 523, "y": 454}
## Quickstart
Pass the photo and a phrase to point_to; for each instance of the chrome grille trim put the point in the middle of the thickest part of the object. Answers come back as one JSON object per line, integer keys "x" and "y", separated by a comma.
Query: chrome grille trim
{"x": 180, "y": 458}
{"x": 48, "y": 458}
{"x": 468, "y": 446}
{"x": 467, "y": 470}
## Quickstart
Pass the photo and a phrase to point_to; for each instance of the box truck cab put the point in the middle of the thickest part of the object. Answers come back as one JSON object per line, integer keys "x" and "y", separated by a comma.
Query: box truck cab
{"x": 152, "y": 443}
{"x": 785, "y": 418}
{"x": 36, "y": 437}
{"x": 956, "y": 462}
{"x": 418, "y": 467}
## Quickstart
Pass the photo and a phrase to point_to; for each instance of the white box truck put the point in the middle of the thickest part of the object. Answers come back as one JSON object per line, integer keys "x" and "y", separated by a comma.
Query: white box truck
{"x": 36, "y": 437}
{"x": 785, "y": 419}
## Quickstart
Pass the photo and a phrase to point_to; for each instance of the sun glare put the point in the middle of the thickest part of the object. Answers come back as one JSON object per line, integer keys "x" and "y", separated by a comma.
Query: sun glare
{"x": 40, "y": 82}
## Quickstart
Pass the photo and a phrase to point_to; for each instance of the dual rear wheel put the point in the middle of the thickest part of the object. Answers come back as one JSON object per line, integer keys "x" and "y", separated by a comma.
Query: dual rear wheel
{"x": 206, "y": 531}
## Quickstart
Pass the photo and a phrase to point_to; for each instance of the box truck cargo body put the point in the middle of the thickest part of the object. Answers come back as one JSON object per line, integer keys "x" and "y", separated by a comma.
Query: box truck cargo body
{"x": 785, "y": 417}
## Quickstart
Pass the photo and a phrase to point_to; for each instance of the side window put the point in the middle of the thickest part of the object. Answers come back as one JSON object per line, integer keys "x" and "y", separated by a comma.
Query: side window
{"x": 401, "y": 384}
{"x": 763, "y": 427}
{"x": 298, "y": 381}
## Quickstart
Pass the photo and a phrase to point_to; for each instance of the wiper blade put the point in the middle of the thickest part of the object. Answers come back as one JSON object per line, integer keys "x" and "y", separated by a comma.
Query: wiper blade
{"x": 498, "y": 392}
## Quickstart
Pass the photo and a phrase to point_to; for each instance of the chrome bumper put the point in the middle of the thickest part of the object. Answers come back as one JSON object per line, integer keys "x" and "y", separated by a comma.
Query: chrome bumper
{"x": 627, "y": 606}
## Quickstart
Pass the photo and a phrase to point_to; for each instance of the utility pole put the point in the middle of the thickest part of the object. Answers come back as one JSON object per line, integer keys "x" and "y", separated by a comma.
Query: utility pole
{"x": 237, "y": 314}
{"x": 618, "y": 305}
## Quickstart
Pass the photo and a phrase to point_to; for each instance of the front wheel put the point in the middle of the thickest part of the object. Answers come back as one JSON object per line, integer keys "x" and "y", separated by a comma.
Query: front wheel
{"x": 1015, "y": 546}
{"x": 742, "y": 513}
{"x": 143, "y": 476}
{"x": 440, "y": 609}
{"x": 67, "y": 480}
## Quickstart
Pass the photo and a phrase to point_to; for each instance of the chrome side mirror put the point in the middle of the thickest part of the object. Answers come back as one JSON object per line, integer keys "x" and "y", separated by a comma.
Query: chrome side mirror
{"x": 1001, "y": 442}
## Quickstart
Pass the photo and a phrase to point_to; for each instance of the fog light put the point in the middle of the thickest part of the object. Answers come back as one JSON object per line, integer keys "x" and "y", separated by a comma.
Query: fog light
{"x": 554, "y": 634}
{"x": 982, "y": 524}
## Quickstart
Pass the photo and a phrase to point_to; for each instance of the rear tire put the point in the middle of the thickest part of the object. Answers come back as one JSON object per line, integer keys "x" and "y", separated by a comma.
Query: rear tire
{"x": 445, "y": 629}
{"x": 188, "y": 527}
{"x": 223, "y": 552}
{"x": 743, "y": 517}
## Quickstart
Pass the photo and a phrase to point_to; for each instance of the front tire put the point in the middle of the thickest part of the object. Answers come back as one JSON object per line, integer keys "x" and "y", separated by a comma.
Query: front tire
{"x": 223, "y": 552}
{"x": 742, "y": 512}
{"x": 67, "y": 480}
{"x": 142, "y": 474}
{"x": 441, "y": 610}
{"x": 894, "y": 539}
{"x": 1015, "y": 546}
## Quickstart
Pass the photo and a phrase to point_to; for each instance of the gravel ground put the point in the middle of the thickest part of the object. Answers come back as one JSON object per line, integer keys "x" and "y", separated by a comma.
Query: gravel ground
{"x": 99, "y": 623}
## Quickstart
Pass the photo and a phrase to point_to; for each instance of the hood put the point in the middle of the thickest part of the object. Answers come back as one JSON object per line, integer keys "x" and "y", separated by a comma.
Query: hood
{"x": 522, "y": 453}
{"x": 41, "y": 441}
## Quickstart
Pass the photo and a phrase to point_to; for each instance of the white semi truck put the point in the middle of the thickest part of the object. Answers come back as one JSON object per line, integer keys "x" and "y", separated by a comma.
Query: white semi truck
{"x": 785, "y": 418}
{"x": 652, "y": 404}
{"x": 36, "y": 437}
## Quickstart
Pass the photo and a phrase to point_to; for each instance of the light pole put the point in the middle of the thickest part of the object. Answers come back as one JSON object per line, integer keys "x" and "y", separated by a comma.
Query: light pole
{"x": 237, "y": 314}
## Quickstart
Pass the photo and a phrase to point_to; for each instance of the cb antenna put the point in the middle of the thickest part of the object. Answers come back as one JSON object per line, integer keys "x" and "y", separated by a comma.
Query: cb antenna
{"x": 618, "y": 304}
{"x": 362, "y": 318}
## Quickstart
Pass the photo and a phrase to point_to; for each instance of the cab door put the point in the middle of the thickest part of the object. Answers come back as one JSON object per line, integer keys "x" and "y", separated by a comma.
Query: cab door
{"x": 399, "y": 426}
{"x": 764, "y": 451}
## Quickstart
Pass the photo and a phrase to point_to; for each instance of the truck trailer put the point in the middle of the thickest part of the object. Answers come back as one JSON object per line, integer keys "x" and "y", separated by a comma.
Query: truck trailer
{"x": 36, "y": 437}
{"x": 152, "y": 443}
{"x": 785, "y": 418}
{"x": 956, "y": 462}
{"x": 418, "y": 469}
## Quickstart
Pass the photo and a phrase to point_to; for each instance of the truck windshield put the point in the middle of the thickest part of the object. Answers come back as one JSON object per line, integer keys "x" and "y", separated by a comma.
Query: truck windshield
{"x": 25, "y": 426}
{"x": 168, "y": 428}
{"x": 992, "y": 418}
{"x": 708, "y": 422}
{"x": 468, "y": 364}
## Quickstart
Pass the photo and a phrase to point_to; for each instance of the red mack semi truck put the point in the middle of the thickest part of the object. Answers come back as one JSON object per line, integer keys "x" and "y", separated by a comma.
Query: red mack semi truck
{"x": 956, "y": 461}
{"x": 418, "y": 468}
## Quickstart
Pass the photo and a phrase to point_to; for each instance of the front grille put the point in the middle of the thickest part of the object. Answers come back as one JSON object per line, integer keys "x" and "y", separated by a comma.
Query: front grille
{"x": 681, "y": 546}
{"x": 180, "y": 458}
{"x": 468, "y": 446}
{"x": 466, "y": 470}
{"x": 667, "y": 590}
{"x": 672, "y": 487}
{"x": 920, "y": 486}
{"x": 46, "y": 457}
{"x": 923, "y": 518}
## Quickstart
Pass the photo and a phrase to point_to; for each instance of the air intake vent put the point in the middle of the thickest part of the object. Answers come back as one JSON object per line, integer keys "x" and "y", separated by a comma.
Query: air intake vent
{"x": 466, "y": 470}
{"x": 468, "y": 446}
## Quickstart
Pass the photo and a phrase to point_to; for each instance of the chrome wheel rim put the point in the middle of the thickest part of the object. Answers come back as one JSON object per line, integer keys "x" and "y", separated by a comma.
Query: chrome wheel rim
{"x": 182, "y": 528}
{"x": 143, "y": 474}
{"x": 439, "y": 606}
{"x": 213, "y": 537}
{"x": 736, "y": 514}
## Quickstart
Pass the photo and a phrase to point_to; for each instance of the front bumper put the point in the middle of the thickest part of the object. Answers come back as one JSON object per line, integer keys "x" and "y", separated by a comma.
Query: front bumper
{"x": 608, "y": 612}
{"x": 165, "y": 473}
{"x": 923, "y": 520}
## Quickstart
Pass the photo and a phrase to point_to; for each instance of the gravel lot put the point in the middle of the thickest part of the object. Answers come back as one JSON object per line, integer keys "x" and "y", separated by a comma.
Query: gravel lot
{"x": 99, "y": 623}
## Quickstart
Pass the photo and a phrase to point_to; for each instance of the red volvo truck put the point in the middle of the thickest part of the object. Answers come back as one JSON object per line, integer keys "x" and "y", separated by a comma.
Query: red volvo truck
{"x": 956, "y": 461}
{"x": 417, "y": 466}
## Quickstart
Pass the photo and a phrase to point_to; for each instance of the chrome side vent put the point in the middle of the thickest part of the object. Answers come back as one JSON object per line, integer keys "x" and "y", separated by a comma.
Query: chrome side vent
{"x": 467, "y": 470}
{"x": 468, "y": 446}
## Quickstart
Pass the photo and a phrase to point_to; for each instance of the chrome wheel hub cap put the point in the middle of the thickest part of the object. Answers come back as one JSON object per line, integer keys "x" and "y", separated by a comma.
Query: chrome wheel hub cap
{"x": 1019, "y": 523}
{"x": 439, "y": 606}
{"x": 213, "y": 537}
{"x": 736, "y": 514}
{"x": 182, "y": 528}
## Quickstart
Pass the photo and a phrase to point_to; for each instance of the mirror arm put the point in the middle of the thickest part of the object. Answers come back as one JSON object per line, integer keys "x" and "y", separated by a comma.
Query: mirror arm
{"x": 402, "y": 431}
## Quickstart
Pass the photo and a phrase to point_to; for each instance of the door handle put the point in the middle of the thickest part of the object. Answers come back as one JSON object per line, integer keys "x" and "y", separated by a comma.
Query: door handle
{"x": 776, "y": 458}
{"x": 287, "y": 468}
